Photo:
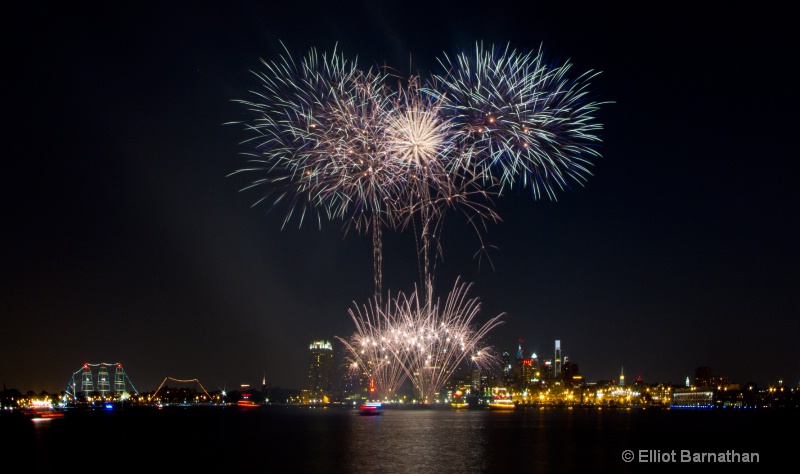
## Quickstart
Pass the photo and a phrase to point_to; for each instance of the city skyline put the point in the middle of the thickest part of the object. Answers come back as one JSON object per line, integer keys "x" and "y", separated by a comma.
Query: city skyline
{"x": 127, "y": 237}
{"x": 338, "y": 357}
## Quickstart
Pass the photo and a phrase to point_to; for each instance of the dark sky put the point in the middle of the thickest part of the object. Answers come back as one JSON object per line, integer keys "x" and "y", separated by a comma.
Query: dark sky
{"x": 124, "y": 240}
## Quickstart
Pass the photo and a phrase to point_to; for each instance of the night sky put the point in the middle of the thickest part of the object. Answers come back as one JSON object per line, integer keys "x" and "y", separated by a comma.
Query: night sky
{"x": 124, "y": 239}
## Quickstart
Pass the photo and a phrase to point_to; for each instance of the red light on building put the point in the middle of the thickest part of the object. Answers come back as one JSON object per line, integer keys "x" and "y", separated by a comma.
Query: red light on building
{"x": 371, "y": 385}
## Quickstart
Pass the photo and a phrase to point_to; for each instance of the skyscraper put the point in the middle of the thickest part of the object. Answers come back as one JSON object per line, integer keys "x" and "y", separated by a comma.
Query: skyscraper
{"x": 320, "y": 370}
{"x": 507, "y": 374}
{"x": 516, "y": 375}
{"x": 557, "y": 360}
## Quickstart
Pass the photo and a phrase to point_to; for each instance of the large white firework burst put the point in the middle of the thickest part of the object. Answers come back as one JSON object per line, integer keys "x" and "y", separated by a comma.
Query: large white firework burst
{"x": 424, "y": 146}
{"x": 332, "y": 140}
{"x": 524, "y": 121}
{"x": 315, "y": 137}
{"x": 317, "y": 140}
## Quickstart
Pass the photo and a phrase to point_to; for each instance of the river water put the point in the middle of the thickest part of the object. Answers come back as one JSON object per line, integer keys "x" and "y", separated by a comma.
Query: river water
{"x": 295, "y": 439}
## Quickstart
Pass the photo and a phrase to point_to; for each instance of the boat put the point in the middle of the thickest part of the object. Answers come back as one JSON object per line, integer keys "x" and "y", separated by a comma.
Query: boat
{"x": 247, "y": 401}
{"x": 247, "y": 404}
{"x": 38, "y": 413}
{"x": 371, "y": 409}
{"x": 459, "y": 401}
{"x": 502, "y": 404}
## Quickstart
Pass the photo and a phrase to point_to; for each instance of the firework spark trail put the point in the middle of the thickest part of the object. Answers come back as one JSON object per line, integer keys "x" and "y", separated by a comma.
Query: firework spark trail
{"x": 337, "y": 141}
{"x": 367, "y": 348}
{"x": 422, "y": 143}
{"x": 332, "y": 140}
{"x": 292, "y": 125}
{"x": 427, "y": 340}
{"x": 523, "y": 121}
{"x": 318, "y": 140}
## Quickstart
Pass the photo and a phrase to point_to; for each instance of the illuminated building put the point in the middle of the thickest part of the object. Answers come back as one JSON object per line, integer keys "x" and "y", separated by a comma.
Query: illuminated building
{"x": 320, "y": 371}
{"x": 547, "y": 370}
{"x": 557, "y": 361}
{"x": 530, "y": 371}
{"x": 621, "y": 376}
{"x": 535, "y": 367}
{"x": 693, "y": 397}
{"x": 517, "y": 380}
{"x": 507, "y": 374}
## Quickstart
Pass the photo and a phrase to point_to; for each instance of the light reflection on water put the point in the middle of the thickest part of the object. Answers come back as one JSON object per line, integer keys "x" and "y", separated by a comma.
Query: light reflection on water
{"x": 418, "y": 441}
{"x": 281, "y": 439}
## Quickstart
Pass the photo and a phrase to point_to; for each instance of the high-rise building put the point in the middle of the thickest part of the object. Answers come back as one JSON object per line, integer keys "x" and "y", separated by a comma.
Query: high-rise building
{"x": 528, "y": 373}
{"x": 507, "y": 374}
{"x": 547, "y": 369}
{"x": 516, "y": 374}
{"x": 572, "y": 375}
{"x": 621, "y": 376}
{"x": 557, "y": 360}
{"x": 320, "y": 370}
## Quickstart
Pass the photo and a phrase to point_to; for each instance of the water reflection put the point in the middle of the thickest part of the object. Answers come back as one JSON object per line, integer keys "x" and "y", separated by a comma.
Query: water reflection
{"x": 282, "y": 439}
{"x": 418, "y": 441}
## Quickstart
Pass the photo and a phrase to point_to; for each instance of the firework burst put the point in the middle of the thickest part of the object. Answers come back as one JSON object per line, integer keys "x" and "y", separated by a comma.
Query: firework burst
{"x": 422, "y": 143}
{"x": 368, "y": 352}
{"x": 317, "y": 140}
{"x": 314, "y": 139}
{"x": 418, "y": 338}
{"x": 523, "y": 121}
{"x": 332, "y": 140}
{"x": 336, "y": 141}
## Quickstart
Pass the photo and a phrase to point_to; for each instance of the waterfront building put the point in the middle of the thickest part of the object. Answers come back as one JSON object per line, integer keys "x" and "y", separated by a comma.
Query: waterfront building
{"x": 693, "y": 397}
{"x": 320, "y": 372}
